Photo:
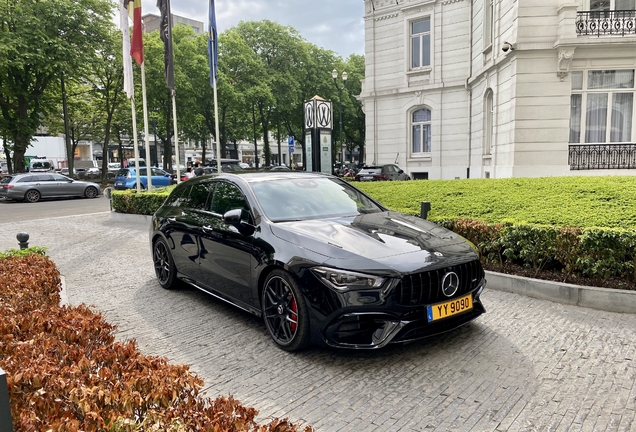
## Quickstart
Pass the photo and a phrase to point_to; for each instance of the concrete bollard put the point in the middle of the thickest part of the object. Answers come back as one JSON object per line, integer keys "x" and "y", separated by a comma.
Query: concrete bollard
{"x": 5, "y": 407}
{"x": 424, "y": 209}
{"x": 23, "y": 240}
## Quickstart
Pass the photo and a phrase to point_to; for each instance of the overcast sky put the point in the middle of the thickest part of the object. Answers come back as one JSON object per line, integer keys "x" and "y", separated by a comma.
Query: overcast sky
{"x": 335, "y": 25}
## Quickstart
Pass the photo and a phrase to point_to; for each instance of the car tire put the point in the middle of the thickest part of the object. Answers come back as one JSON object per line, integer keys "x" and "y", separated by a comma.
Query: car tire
{"x": 32, "y": 196}
{"x": 90, "y": 192}
{"x": 165, "y": 269}
{"x": 285, "y": 311}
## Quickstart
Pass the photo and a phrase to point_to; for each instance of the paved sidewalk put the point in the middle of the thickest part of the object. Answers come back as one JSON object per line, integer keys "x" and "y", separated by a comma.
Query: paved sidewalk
{"x": 527, "y": 364}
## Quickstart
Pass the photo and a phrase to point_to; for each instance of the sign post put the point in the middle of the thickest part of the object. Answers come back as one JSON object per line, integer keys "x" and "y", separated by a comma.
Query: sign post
{"x": 318, "y": 127}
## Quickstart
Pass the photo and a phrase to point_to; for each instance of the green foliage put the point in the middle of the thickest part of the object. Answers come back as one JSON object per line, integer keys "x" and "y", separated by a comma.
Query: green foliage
{"x": 559, "y": 201}
{"x": 39, "y": 42}
{"x": 142, "y": 203}
{"x": 37, "y": 250}
{"x": 532, "y": 245}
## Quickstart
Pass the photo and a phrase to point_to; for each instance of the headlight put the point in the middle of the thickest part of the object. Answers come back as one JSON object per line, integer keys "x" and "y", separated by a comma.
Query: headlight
{"x": 343, "y": 280}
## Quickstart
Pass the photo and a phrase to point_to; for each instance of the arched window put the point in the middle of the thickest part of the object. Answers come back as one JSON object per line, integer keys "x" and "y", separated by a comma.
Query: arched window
{"x": 421, "y": 123}
{"x": 488, "y": 122}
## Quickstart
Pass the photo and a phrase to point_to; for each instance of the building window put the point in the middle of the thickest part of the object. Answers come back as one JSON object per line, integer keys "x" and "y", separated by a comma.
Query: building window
{"x": 608, "y": 5}
{"x": 489, "y": 20}
{"x": 421, "y": 43}
{"x": 602, "y": 106}
{"x": 488, "y": 122}
{"x": 421, "y": 123}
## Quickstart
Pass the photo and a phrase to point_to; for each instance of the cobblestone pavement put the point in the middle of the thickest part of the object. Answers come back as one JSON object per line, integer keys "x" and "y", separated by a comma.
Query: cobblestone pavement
{"x": 525, "y": 365}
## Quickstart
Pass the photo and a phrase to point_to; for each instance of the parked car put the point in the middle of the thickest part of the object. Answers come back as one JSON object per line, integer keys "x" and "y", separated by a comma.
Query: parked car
{"x": 127, "y": 178}
{"x": 32, "y": 187}
{"x": 227, "y": 165}
{"x": 316, "y": 258}
{"x": 384, "y": 172}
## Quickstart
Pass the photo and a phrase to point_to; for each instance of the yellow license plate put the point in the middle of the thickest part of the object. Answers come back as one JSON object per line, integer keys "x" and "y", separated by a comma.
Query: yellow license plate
{"x": 450, "y": 308}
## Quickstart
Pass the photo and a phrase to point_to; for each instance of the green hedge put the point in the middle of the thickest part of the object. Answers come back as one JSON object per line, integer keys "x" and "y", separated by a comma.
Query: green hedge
{"x": 142, "y": 203}
{"x": 559, "y": 201}
{"x": 589, "y": 252}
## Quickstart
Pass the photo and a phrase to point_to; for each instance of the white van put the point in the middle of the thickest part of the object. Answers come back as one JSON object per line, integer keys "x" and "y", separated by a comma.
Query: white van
{"x": 41, "y": 165}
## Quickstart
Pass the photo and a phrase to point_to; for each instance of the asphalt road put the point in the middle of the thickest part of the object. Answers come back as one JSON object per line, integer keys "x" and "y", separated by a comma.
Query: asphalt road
{"x": 24, "y": 211}
{"x": 525, "y": 365}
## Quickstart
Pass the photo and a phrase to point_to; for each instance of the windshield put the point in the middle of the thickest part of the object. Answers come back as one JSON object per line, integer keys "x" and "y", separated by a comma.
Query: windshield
{"x": 298, "y": 199}
{"x": 40, "y": 165}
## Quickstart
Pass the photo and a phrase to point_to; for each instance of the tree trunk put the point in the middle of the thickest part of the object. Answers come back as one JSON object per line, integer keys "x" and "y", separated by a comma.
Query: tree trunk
{"x": 7, "y": 154}
{"x": 255, "y": 138}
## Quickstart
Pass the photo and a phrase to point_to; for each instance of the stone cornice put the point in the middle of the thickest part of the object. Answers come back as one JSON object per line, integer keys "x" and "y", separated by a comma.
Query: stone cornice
{"x": 384, "y": 17}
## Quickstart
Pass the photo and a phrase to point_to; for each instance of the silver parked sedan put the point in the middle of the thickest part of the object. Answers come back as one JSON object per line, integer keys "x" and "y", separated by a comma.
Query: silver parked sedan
{"x": 32, "y": 187}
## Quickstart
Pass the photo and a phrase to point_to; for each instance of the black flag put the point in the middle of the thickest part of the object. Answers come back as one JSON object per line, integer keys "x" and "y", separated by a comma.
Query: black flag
{"x": 165, "y": 30}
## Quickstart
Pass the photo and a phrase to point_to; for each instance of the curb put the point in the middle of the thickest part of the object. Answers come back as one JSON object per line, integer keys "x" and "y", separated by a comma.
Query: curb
{"x": 131, "y": 218}
{"x": 606, "y": 299}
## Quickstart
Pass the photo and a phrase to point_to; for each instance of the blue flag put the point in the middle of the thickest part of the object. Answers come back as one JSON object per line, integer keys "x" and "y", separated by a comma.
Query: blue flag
{"x": 213, "y": 45}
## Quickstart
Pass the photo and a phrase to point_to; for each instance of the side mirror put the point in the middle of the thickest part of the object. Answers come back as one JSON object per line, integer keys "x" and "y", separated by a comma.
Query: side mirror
{"x": 401, "y": 172}
{"x": 235, "y": 218}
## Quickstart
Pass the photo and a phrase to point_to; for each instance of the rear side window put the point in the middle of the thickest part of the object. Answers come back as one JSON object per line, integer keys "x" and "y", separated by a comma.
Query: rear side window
{"x": 179, "y": 196}
{"x": 199, "y": 195}
{"x": 25, "y": 179}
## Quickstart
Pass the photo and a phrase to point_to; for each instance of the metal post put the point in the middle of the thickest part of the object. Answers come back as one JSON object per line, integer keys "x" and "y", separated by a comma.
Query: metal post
{"x": 424, "y": 209}
{"x": 5, "y": 407}
{"x": 23, "y": 239}
{"x": 334, "y": 75}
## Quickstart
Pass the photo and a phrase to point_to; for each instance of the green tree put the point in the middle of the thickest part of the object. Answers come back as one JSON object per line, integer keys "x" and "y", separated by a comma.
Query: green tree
{"x": 353, "y": 116}
{"x": 40, "y": 41}
{"x": 107, "y": 81}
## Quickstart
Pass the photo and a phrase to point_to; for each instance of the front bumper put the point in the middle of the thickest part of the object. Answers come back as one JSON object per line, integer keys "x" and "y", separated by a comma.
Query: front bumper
{"x": 373, "y": 329}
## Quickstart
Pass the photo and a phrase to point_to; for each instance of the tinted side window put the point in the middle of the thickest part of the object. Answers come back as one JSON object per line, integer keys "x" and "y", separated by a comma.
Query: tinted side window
{"x": 227, "y": 197}
{"x": 25, "y": 179}
{"x": 43, "y": 177}
{"x": 199, "y": 195}
{"x": 58, "y": 177}
{"x": 179, "y": 196}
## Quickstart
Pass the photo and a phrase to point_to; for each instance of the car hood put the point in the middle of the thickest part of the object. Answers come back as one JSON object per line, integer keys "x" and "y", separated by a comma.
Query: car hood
{"x": 378, "y": 241}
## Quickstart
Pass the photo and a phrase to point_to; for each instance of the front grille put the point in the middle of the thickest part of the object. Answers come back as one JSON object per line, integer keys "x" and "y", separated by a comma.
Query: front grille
{"x": 426, "y": 287}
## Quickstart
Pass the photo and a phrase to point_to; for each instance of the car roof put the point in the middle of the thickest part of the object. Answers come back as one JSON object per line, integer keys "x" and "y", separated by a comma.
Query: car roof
{"x": 255, "y": 177}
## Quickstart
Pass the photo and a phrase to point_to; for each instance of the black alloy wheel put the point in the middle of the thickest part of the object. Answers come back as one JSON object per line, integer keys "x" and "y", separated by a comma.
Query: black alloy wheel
{"x": 164, "y": 265}
{"x": 285, "y": 311}
{"x": 32, "y": 196}
{"x": 90, "y": 192}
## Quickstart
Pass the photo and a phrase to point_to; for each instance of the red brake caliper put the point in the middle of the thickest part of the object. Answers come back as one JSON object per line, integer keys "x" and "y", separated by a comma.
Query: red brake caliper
{"x": 294, "y": 307}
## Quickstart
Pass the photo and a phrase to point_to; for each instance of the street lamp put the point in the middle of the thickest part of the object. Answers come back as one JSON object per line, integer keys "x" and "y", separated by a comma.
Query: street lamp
{"x": 334, "y": 75}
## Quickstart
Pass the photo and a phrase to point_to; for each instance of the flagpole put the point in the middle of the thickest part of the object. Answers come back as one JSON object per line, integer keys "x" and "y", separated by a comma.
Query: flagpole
{"x": 216, "y": 125}
{"x": 143, "y": 92}
{"x": 136, "y": 145}
{"x": 176, "y": 135}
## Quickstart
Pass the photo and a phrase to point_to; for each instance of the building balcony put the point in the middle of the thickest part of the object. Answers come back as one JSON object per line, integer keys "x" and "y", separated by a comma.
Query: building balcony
{"x": 602, "y": 156}
{"x": 597, "y": 23}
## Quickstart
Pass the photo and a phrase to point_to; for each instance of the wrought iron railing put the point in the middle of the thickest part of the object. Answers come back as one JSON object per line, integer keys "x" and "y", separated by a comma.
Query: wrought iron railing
{"x": 602, "y": 156}
{"x": 618, "y": 22}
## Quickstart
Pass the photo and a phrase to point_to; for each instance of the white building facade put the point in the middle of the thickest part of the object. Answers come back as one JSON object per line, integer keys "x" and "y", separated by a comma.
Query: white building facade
{"x": 501, "y": 88}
